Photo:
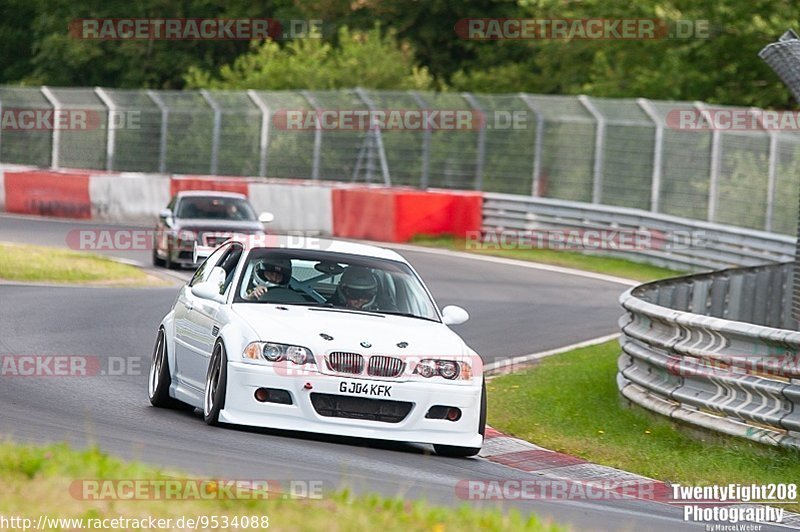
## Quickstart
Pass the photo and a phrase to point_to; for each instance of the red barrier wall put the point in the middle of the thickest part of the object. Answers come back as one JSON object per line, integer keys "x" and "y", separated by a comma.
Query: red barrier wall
{"x": 48, "y": 193}
{"x": 392, "y": 215}
{"x": 205, "y": 183}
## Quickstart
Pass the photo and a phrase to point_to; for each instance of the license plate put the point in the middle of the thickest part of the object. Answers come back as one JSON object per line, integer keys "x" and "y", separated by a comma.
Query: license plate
{"x": 365, "y": 388}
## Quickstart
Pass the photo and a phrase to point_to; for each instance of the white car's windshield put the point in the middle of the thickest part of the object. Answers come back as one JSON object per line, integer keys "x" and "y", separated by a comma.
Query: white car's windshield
{"x": 336, "y": 280}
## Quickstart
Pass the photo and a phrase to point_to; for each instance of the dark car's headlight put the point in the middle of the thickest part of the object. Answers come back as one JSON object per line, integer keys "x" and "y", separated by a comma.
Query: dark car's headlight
{"x": 273, "y": 352}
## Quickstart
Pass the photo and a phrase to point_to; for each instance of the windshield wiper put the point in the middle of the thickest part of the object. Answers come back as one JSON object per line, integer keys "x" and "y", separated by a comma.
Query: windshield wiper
{"x": 409, "y": 315}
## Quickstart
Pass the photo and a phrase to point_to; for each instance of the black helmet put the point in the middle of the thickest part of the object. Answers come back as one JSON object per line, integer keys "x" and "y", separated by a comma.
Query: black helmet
{"x": 279, "y": 265}
{"x": 359, "y": 283}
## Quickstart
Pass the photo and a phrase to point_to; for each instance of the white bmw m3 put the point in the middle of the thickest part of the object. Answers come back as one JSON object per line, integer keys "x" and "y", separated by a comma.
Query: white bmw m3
{"x": 320, "y": 336}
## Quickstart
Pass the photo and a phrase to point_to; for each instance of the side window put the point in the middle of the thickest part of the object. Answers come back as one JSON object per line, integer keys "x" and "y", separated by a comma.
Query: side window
{"x": 204, "y": 270}
{"x": 229, "y": 263}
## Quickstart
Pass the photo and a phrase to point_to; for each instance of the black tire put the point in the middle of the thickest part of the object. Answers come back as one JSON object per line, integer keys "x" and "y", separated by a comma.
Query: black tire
{"x": 159, "y": 379}
{"x": 156, "y": 260}
{"x": 216, "y": 385}
{"x": 464, "y": 452}
{"x": 168, "y": 260}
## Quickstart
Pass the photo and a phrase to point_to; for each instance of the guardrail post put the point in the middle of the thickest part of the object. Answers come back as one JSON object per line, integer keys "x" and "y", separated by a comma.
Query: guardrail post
{"x": 56, "y": 136}
{"x": 317, "y": 136}
{"x": 713, "y": 178}
{"x": 111, "y": 132}
{"x": 599, "y": 148}
{"x": 658, "y": 152}
{"x": 481, "y": 148}
{"x": 263, "y": 141}
{"x": 537, "y": 146}
{"x": 424, "y": 179}
{"x": 162, "y": 148}
{"x": 215, "y": 131}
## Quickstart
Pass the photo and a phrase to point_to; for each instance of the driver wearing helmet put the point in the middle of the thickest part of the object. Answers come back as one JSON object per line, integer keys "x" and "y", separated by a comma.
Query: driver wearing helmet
{"x": 269, "y": 272}
{"x": 358, "y": 289}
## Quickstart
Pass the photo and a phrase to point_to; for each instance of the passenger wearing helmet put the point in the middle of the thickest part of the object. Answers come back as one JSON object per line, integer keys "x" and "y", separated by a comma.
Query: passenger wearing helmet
{"x": 358, "y": 289}
{"x": 267, "y": 273}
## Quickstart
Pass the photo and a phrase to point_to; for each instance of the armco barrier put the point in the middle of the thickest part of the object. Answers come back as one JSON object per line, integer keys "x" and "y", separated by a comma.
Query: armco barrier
{"x": 48, "y": 193}
{"x": 707, "y": 350}
{"x": 710, "y": 246}
{"x": 396, "y": 215}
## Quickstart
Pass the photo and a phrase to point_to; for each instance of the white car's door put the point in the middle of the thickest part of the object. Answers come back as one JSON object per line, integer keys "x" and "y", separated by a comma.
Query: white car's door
{"x": 192, "y": 333}
{"x": 202, "y": 320}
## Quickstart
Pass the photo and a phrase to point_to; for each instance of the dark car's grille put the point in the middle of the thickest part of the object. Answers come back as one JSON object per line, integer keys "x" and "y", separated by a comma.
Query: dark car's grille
{"x": 382, "y": 366}
{"x": 342, "y": 362}
{"x": 214, "y": 239}
{"x": 358, "y": 408}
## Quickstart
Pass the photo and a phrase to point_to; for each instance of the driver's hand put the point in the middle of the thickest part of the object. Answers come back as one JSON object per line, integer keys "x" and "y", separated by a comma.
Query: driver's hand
{"x": 257, "y": 292}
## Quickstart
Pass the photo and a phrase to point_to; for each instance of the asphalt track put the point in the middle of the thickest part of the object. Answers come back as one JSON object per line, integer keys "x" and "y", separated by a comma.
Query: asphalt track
{"x": 514, "y": 311}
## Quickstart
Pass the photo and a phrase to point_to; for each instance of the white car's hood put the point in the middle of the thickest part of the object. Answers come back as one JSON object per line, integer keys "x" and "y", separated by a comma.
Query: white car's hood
{"x": 350, "y": 331}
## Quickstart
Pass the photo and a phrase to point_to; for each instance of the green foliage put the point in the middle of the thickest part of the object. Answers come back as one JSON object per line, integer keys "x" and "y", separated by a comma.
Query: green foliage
{"x": 371, "y": 59}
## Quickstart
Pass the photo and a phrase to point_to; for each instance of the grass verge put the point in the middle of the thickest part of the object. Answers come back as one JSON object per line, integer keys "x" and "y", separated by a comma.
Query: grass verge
{"x": 29, "y": 263}
{"x": 37, "y": 481}
{"x": 592, "y": 422}
{"x": 568, "y": 259}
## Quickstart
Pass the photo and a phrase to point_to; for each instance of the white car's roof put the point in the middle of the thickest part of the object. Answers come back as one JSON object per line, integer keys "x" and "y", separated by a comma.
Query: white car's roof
{"x": 209, "y": 193}
{"x": 318, "y": 244}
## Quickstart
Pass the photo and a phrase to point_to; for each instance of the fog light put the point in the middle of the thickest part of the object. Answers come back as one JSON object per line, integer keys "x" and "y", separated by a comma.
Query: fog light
{"x": 453, "y": 414}
{"x": 262, "y": 395}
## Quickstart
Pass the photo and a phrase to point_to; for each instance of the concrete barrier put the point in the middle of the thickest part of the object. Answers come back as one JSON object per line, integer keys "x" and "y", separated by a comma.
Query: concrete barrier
{"x": 48, "y": 193}
{"x": 297, "y": 207}
{"x": 128, "y": 198}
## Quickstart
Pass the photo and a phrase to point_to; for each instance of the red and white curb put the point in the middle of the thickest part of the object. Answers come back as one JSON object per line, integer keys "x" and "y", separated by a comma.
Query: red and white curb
{"x": 559, "y": 467}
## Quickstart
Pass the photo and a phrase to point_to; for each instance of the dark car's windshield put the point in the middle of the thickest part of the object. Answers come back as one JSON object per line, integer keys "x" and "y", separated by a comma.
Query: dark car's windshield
{"x": 334, "y": 280}
{"x": 215, "y": 208}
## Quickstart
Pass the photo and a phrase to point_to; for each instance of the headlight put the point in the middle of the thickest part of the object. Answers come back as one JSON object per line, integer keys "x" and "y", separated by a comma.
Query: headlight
{"x": 272, "y": 352}
{"x": 449, "y": 369}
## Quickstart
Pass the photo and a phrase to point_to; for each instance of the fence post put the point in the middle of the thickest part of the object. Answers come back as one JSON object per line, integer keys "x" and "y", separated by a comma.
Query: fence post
{"x": 317, "y": 136}
{"x": 215, "y": 131}
{"x": 263, "y": 141}
{"x": 56, "y": 137}
{"x": 111, "y": 132}
{"x": 713, "y": 178}
{"x": 658, "y": 152}
{"x": 424, "y": 179}
{"x": 772, "y": 167}
{"x": 481, "y": 156}
{"x": 376, "y": 131}
{"x": 599, "y": 148}
{"x": 162, "y": 148}
{"x": 537, "y": 147}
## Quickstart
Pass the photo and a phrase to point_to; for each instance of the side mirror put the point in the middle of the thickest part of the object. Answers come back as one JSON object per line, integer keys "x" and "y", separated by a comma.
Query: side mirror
{"x": 166, "y": 215}
{"x": 453, "y": 315}
{"x": 266, "y": 217}
{"x": 209, "y": 289}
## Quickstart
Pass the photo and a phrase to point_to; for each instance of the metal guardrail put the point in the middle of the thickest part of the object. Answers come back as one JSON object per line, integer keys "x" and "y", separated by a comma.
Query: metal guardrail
{"x": 674, "y": 242}
{"x": 707, "y": 350}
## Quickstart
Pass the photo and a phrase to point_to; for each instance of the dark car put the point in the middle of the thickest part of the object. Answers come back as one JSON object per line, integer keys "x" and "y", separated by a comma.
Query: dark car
{"x": 206, "y": 217}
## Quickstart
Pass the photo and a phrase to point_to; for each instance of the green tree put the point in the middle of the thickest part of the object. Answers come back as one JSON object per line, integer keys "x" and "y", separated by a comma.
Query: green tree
{"x": 372, "y": 59}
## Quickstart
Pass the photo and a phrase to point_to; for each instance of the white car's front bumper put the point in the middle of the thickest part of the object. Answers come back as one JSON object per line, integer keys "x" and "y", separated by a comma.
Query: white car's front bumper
{"x": 241, "y": 407}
